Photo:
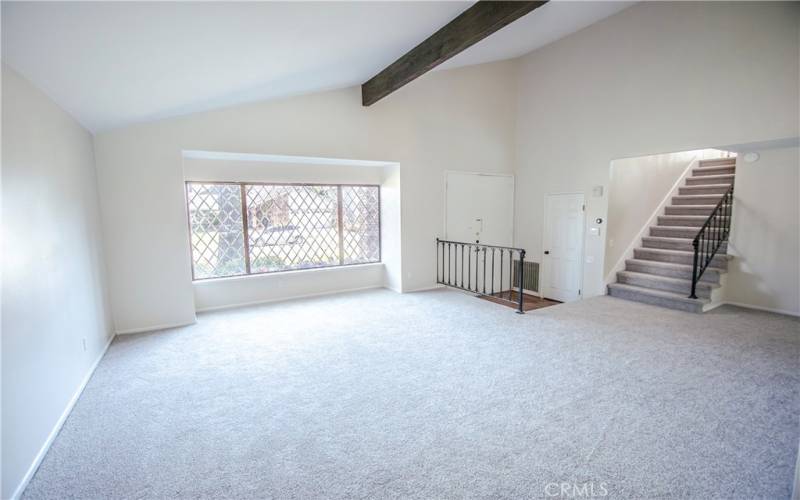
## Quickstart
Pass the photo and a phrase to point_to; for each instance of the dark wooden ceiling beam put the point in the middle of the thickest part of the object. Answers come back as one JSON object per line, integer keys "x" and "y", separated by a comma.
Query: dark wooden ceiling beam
{"x": 470, "y": 27}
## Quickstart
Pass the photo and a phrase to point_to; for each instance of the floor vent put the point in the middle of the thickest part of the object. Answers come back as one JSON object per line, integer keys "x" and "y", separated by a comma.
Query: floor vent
{"x": 530, "y": 277}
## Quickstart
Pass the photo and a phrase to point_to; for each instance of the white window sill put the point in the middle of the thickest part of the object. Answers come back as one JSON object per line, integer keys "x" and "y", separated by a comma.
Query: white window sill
{"x": 304, "y": 272}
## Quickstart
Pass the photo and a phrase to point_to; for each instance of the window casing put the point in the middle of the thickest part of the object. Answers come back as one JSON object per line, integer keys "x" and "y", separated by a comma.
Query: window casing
{"x": 238, "y": 229}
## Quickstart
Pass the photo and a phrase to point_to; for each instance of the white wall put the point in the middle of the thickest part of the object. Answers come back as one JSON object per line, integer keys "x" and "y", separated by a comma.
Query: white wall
{"x": 459, "y": 119}
{"x": 214, "y": 294}
{"x": 765, "y": 233}
{"x": 655, "y": 78}
{"x": 54, "y": 296}
{"x": 636, "y": 188}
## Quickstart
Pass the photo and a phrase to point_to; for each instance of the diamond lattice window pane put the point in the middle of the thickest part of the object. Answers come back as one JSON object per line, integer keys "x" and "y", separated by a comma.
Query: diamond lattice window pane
{"x": 215, "y": 219}
{"x": 292, "y": 227}
{"x": 361, "y": 238}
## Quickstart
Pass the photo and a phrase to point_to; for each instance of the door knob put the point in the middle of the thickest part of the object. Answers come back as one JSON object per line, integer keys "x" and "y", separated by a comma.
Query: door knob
{"x": 547, "y": 252}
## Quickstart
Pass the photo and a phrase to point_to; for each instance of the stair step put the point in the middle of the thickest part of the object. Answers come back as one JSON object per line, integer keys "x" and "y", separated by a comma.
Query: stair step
{"x": 724, "y": 169}
{"x": 718, "y": 161}
{"x": 689, "y": 210}
{"x": 710, "y": 179}
{"x": 685, "y": 220}
{"x": 696, "y": 199}
{"x": 667, "y": 243}
{"x": 705, "y": 189}
{"x": 656, "y": 297}
{"x": 677, "y": 257}
{"x": 674, "y": 231}
{"x": 674, "y": 285}
{"x": 670, "y": 270}
{"x": 679, "y": 232}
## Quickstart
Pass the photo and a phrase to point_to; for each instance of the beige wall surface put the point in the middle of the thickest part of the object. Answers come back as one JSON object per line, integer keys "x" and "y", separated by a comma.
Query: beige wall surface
{"x": 55, "y": 319}
{"x": 459, "y": 119}
{"x": 636, "y": 188}
{"x": 765, "y": 233}
{"x": 655, "y": 78}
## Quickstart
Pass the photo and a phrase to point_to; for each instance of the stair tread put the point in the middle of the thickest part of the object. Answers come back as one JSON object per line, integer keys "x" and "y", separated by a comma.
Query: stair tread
{"x": 675, "y": 252}
{"x": 658, "y": 293}
{"x": 707, "y": 186}
{"x": 713, "y": 177}
{"x": 666, "y": 238}
{"x": 692, "y": 217}
{"x": 692, "y": 206}
{"x": 678, "y": 228}
{"x": 673, "y": 265}
{"x": 667, "y": 279}
{"x": 670, "y": 239}
{"x": 718, "y": 161}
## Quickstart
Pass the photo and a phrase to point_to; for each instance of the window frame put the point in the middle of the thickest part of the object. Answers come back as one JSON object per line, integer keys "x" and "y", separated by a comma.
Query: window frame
{"x": 246, "y": 231}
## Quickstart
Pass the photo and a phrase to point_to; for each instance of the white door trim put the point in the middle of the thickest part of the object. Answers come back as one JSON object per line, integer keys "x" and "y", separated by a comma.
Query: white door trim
{"x": 485, "y": 174}
{"x": 544, "y": 264}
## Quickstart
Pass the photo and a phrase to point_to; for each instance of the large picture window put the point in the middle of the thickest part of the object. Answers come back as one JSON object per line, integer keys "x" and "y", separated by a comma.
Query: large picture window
{"x": 250, "y": 228}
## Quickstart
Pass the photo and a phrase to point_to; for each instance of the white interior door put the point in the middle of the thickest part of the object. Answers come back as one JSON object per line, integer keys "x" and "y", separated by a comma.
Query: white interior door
{"x": 563, "y": 247}
{"x": 479, "y": 207}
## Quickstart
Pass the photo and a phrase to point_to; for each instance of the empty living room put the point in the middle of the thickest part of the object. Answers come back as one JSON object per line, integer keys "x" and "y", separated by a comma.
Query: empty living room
{"x": 400, "y": 249}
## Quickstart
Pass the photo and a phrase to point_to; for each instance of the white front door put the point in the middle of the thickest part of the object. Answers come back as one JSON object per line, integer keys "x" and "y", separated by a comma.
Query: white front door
{"x": 563, "y": 247}
{"x": 479, "y": 207}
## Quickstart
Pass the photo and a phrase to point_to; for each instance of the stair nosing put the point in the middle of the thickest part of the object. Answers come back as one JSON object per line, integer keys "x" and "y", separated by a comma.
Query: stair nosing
{"x": 669, "y": 238}
{"x": 676, "y": 252}
{"x": 717, "y": 176}
{"x": 671, "y": 264}
{"x": 658, "y": 277}
{"x": 690, "y": 216}
{"x": 662, "y": 293}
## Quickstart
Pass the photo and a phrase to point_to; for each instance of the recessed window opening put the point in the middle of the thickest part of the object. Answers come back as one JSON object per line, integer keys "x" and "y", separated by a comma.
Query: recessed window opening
{"x": 256, "y": 228}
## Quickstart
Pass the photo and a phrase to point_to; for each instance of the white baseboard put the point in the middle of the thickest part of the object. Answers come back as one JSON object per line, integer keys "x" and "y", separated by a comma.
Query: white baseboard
{"x": 283, "y": 299}
{"x": 57, "y": 427}
{"x": 154, "y": 328}
{"x": 425, "y": 289}
{"x": 765, "y": 309}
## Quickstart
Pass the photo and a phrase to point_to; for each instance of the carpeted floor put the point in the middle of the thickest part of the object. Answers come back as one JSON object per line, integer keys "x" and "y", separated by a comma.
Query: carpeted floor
{"x": 439, "y": 395}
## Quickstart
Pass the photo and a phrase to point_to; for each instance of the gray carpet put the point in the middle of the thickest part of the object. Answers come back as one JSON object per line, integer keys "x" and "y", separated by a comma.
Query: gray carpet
{"x": 439, "y": 395}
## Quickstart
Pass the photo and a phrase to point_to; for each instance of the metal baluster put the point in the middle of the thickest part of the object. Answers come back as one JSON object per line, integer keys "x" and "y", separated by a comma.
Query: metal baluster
{"x": 521, "y": 310}
{"x": 448, "y": 263}
{"x": 510, "y": 273}
{"x": 437, "y": 260}
{"x": 501, "y": 271}
{"x": 477, "y": 266}
{"x": 694, "y": 269}
{"x": 469, "y": 268}
{"x": 484, "y": 270}
{"x": 462, "y": 265}
{"x": 451, "y": 268}
{"x": 492, "y": 271}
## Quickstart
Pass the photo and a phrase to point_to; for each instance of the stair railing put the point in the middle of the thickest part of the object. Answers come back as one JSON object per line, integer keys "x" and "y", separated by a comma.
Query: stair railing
{"x": 487, "y": 270}
{"x": 710, "y": 237}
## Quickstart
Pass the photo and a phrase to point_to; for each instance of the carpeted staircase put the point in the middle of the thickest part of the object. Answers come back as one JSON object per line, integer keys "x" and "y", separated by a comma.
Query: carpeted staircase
{"x": 660, "y": 272}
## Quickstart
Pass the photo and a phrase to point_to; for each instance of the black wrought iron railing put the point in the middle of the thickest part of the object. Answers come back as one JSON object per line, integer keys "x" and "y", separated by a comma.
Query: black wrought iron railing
{"x": 488, "y": 270}
{"x": 710, "y": 237}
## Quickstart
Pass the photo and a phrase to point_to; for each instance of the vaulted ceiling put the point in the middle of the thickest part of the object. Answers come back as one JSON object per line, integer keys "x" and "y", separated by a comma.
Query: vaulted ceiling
{"x": 111, "y": 64}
